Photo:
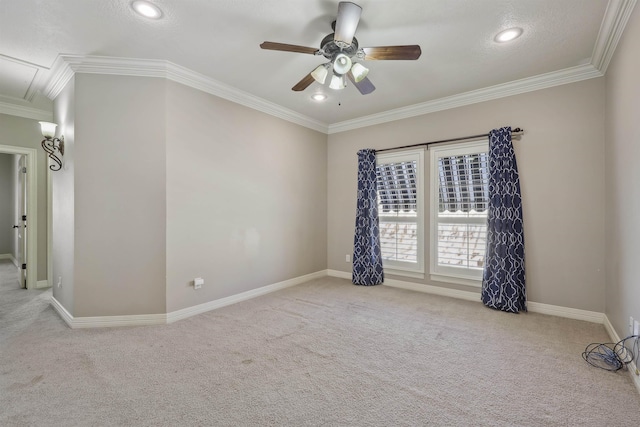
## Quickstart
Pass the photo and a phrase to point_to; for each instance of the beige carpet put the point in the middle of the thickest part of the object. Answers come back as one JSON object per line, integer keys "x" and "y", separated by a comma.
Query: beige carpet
{"x": 324, "y": 353}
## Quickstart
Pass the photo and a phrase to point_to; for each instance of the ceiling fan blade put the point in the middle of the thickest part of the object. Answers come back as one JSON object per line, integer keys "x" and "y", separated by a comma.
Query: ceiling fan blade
{"x": 304, "y": 83}
{"x": 392, "y": 52}
{"x": 288, "y": 47}
{"x": 347, "y": 22}
{"x": 364, "y": 86}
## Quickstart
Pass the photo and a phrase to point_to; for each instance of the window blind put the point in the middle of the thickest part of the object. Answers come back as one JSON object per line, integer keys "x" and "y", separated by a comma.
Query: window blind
{"x": 463, "y": 183}
{"x": 397, "y": 188}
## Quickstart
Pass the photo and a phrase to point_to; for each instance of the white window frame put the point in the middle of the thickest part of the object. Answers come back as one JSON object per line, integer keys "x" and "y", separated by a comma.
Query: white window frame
{"x": 401, "y": 268}
{"x": 439, "y": 273}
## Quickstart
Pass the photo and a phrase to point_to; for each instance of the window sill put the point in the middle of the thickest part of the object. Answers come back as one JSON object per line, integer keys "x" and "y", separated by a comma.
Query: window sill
{"x": 405, "y": 273}
{"x": 477, "y": 283}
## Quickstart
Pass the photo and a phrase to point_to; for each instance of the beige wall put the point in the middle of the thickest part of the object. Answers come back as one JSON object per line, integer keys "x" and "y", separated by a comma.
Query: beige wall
{"x": 169, "y": 184}
{"x": 21, "y": 132}
{"x": 108, "y": 201}
{"x": 119, "y": 195}
{"x": 623, "y": 179}
{"x": 62, "y": 203}
{"x": 561, "y": 165}
{"x": 163, "y": 183}
{"x": 246, "y": 198}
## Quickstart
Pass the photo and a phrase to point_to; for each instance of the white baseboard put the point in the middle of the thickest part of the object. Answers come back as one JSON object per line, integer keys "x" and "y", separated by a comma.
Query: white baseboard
{"x": 534, "y": 307}
{"x": 106, "y": 321}
{"x": 62, "y": 312}
{"x": 610, "y": 329}
{"x": 42, "y": 284}
{"x": 162, "y": 318}
{"x": 113, "y": 321}
{"x": 419, "y": 287}
{"x": 632, "y": 368}
{"x": 569, "y": 313}
{"x": 339, "y": 274}
{"x": 11, "y": 258}
{"x": 212, "y": 305}
{"x": 434, "y": 290}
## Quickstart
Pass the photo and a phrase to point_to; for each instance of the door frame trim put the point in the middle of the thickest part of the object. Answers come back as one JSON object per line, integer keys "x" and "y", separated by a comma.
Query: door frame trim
{"x": 32, "y": 209}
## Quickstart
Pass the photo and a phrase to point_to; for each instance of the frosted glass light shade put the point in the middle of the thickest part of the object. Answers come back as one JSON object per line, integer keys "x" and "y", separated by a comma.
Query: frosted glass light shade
{"x": 48, "y": 129}
{"x": 359, "y": 72}
{"x": 341, "y": 64}
{"x": 337, "y": 82}
{"x": 320, "y": 74}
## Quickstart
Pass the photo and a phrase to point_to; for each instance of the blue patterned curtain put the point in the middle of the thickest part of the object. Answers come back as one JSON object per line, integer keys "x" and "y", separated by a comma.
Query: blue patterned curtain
{"x": 503, "y": 277}
{"x": 367, "y": 259}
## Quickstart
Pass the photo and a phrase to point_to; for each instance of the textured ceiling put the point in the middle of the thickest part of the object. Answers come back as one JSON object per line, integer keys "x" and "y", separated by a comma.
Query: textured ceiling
{"x": 220, "y": 40}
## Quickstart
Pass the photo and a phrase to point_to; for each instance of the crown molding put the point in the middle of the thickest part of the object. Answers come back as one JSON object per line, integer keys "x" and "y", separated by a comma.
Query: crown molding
{"x": 66, "y": 66}
{"x": 615, "y": 20}
{"x": 201, "y": 82}
{"x": 61, "y": 73}
{"x": 516, "y": 87}
{"x": 12, "y": 109}
{"x": 36, "y": 83}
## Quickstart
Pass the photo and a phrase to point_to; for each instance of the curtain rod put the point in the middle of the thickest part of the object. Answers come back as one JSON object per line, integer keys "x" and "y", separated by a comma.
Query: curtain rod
{"x": 516, "y": 131}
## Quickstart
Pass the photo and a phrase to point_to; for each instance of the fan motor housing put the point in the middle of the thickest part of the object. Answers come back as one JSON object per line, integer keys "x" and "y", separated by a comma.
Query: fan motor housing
{"x": 330, "y": 49}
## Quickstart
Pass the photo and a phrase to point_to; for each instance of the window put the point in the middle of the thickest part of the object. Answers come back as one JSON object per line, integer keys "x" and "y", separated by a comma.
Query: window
{"x": 459, "y": 203}
{"x": 400, "y": 212}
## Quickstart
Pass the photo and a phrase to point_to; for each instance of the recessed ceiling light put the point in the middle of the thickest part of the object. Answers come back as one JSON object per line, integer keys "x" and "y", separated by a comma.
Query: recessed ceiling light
{"x": 146, "y": 9}
{"x": 319, "y": 97}
{"x": 508, "y": 35}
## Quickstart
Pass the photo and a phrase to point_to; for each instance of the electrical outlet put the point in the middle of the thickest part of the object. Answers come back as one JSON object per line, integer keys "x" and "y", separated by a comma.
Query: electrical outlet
{"x": 630, "y": 325}
{"x": 198, "y": 282}
{"x": 636, "y": 327}
{"x": 59, "y": 284}
{"x": 348, "y": 258}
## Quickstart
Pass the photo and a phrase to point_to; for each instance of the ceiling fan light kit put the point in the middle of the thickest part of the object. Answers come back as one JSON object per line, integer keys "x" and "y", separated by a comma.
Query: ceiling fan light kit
{"x": 341, "y": 64}
{"x": 320, "y": 73}
{"x": 341, "y": 48}
{"x": 337, "y": 82}
{"x": 359, "y": 72}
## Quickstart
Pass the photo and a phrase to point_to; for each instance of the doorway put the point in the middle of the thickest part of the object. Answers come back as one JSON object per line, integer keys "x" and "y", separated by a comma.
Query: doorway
{"x": 28, "y": 213}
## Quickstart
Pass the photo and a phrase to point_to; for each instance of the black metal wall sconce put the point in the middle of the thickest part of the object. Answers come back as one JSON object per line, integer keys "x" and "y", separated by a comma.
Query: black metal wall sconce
{"x": 51, "y": 144}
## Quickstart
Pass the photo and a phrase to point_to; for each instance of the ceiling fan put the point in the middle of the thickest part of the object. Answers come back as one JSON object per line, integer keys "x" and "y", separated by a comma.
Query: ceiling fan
{"x": 341, "y": 48}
